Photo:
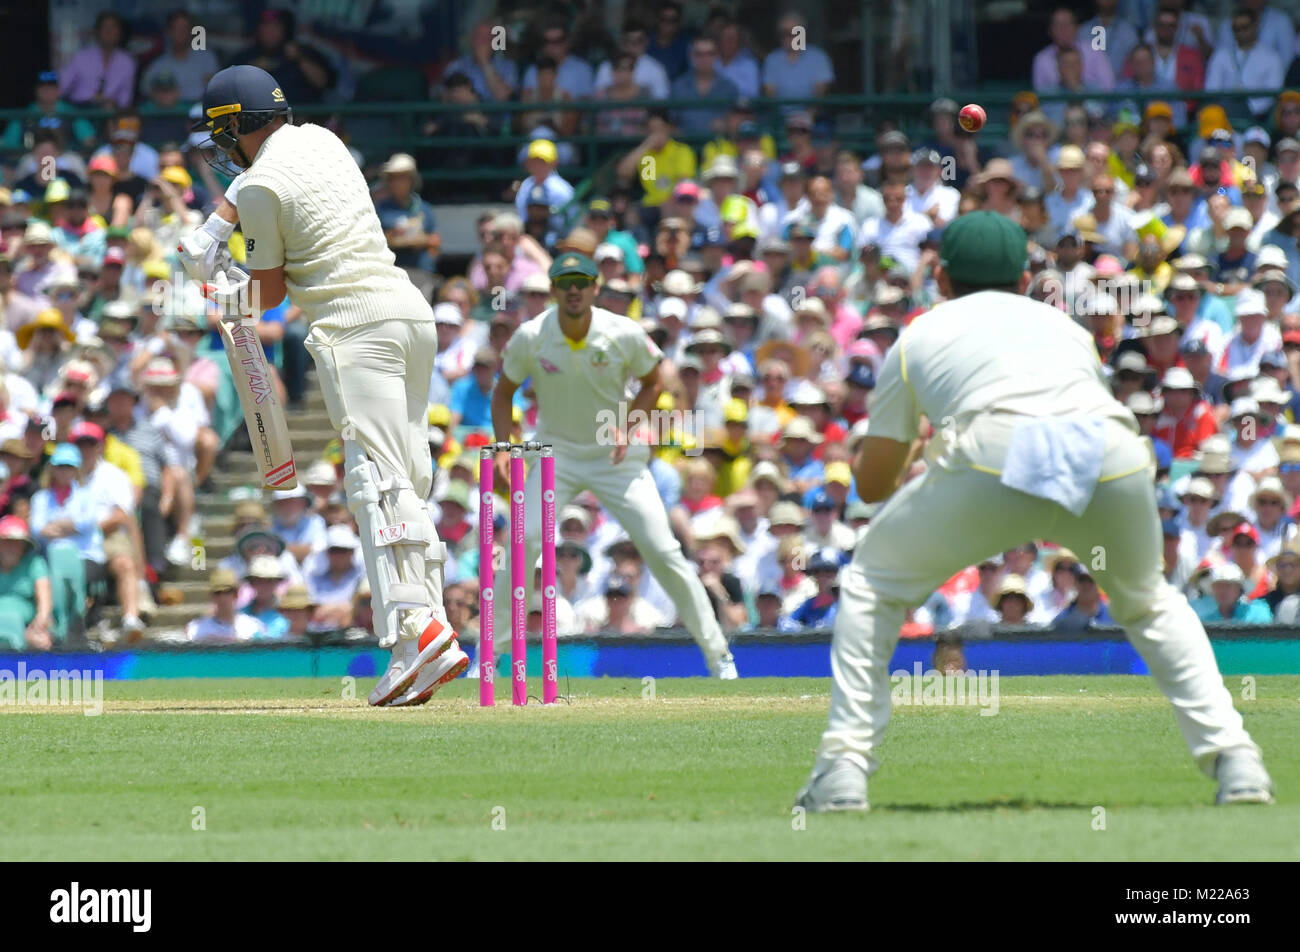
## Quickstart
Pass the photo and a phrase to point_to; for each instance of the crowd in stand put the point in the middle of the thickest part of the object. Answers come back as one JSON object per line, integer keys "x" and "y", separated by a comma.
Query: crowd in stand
{"x": 773, "y": 267}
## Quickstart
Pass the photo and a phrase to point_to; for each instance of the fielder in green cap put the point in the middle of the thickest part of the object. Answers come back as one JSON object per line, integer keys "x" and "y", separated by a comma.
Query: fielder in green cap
{"x": 572, "y": 263}
{"x": 581, "y": 360}
{"x": 1022, "y": 440}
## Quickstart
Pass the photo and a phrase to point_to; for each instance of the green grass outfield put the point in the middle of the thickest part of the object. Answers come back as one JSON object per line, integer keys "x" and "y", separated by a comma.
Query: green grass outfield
{"x": 289, "y": 769}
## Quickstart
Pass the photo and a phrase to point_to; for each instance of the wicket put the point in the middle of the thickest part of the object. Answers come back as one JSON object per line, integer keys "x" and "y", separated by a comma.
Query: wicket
{"x": 519, "y": 575}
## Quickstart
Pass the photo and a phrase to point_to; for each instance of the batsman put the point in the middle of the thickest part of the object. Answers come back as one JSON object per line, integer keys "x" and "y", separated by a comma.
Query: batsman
{"x": 1028, "y": 444}
{"x": 311, "y": 231}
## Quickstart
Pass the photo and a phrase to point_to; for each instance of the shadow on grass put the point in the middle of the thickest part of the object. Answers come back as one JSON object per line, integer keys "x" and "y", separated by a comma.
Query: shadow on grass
{"x": 969, "y": 806}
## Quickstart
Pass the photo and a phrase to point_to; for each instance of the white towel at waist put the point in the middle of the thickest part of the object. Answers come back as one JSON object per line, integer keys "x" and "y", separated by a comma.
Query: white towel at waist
{"x": 1056, "y": 458}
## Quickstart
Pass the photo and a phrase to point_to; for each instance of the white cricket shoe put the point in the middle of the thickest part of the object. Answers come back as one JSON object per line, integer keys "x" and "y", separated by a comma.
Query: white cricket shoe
{"x": 448, "y": 666}
{"x": 840, "y": 788}
{"x": 1242, "y": 778}
{"x": 409, "y": 656}
{"x": 724, "y": 668}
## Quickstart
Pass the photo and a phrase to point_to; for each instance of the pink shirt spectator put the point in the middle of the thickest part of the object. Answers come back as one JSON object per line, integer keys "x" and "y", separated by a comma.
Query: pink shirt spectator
{"x": 1097, "y": 72}
{"x": 87, "y": 75}
{"x": 845, "y": 324}
{"x": 520, "y": 268}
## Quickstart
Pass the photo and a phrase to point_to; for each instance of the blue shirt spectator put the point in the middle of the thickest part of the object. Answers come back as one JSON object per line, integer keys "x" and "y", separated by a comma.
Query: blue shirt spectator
{"x": 669, "y": 44}
{"x": 796, "y": 69}
{"x": 471, "y": 399}
{"x": 74, "y": 508}
{"x": 700, "y": 82}
{"x": 481, "y": 58}
{"x": 573, "y": 75}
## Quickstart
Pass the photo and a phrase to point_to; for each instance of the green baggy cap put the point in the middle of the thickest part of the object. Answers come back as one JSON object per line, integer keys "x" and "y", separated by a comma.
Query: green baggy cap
{"x": 984, "y": 249}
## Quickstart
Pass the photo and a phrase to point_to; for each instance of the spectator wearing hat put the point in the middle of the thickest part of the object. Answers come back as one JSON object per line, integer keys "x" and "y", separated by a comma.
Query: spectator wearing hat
{"x": 824, "y": 529}
{"x": 302, "y": 530}
{"x": 1269, "y": 504}
{"x": 718, "y": 545}
{"x": 117, "y": 501}
{"x": 1255, "y": 335}
{"x": 41, "y": 263}
{"x": 1187, "y": 418}
{"x": 408, "y": 220}
{"x": 541, "y": 163}
{"x": 1252, "y": 452}
{"x": 1199, "y": 498}
{"x": 799, "y": 440}
{"x": 1063, "y": 29}
{"x": 796, "y": 69}
{"x": 1014, "y": 604}
{"x": 47, "y": 114}
{"x": 65, "y": 521}
{"x": 617, "y": 610}
{"x": 26, "y": 602}
{"x": 818, "y": 610}
{"x": 1186, "y": 299}
{"x": 1031, "y": 137}
{"x": 1227, "y": 599}
{"x": 799, "y": 142}
{"x": 296, "y": 607}
{"x": 44, "y": 341}
{"x": 1088, "y": 607}
{"x": 223, "y": 624}
{"x": 456, "y": 349}
{"x": 1255, "y": 199}
{"x": 1249, "y": 61}
{"x": 266, "y": 578}
{"x": 333, "y": 581}
{"x": 769, "y": 616}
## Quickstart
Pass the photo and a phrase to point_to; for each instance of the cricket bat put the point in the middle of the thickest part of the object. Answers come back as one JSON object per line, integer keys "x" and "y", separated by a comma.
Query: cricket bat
{"x": 268, "y": 430}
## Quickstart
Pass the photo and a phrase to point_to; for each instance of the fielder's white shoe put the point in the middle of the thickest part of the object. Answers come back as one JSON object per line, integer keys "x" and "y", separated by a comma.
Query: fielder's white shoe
{"x": 1242, "y": 778}
{"x": 840, "y": 788}
{"x": 726, "y": 668}
{"x": 409, "y": 656}
{"x": 448, "y": 666}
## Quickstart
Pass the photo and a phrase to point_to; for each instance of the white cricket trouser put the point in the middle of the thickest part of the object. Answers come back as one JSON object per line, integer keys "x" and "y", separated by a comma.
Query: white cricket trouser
{"x": 948, "y": 519}
{"x": 375, "y": 381}
{"x": 628, "y": 493}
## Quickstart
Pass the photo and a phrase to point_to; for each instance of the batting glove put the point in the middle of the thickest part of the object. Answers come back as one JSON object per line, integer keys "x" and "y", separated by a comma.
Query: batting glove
{"x": 229, "y": 290}
{"x": 198, "y": 250}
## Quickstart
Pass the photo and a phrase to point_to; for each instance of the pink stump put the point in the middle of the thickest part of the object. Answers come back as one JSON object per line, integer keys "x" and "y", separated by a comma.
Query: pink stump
{"x": 518, "y": 582}
{"x": 550, "y": 663}
{"x": 487, "y": 658}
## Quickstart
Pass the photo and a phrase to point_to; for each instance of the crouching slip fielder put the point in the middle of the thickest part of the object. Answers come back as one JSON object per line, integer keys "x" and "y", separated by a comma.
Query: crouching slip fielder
{"x": 310, "y": 228}
{"x": 1029, "y": 444}
{"x": 581, "y": 360}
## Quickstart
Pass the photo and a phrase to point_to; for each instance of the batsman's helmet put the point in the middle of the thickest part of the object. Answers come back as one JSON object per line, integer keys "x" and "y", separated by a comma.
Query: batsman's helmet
{"x": 238, "y": 100}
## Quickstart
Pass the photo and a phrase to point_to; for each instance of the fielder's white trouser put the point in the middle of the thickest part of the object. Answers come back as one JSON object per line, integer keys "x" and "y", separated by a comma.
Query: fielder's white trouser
{"x": 375, "y": 381}
{"x": 628, "y": 493}
{"x": 951, "y": 518}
